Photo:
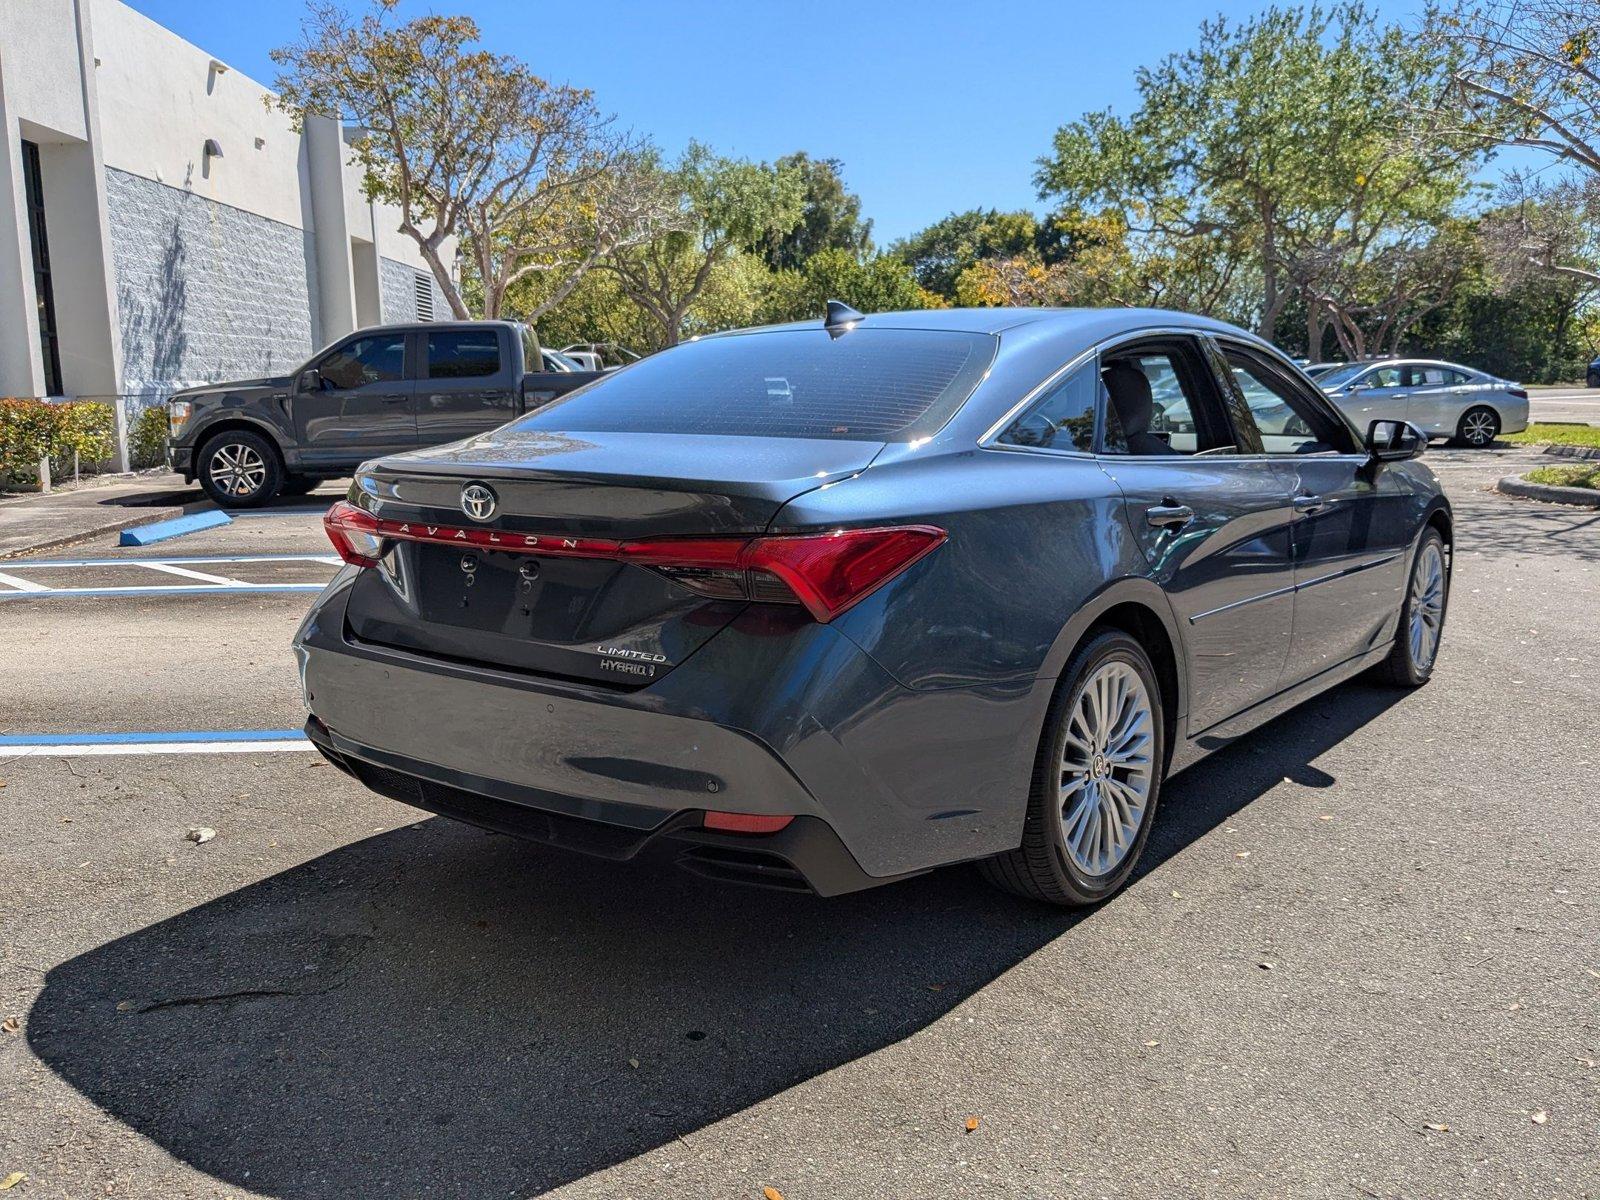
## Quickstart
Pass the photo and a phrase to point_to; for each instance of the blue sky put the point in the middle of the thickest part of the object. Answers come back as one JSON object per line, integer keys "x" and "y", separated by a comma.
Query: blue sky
{"x": 933, "y": 106}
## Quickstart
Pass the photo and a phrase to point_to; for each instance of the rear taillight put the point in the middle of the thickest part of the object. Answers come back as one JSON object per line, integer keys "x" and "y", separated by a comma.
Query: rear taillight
{"x": 1519, "y": 393}
{"x": 354, "y": 534}
{"x": 826, "y": 572}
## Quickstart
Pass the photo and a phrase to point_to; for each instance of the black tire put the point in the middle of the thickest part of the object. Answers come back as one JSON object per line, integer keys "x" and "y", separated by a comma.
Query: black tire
{"x": 1478, "y": 428}
{"x": 1401, "y": 668}
{"x": 239, "y": 469}
{"x": 1042, "y": 868}
{"x": 298, "y": 485}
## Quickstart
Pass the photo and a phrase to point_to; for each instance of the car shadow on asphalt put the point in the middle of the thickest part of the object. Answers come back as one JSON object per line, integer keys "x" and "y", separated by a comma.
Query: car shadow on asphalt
{"x": 440, "y": 1010}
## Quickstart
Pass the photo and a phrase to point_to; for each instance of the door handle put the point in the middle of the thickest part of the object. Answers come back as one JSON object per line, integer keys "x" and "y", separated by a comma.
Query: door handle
{"x": 1169, "y": 514}
{"x": 395, "y": 399}
{"x": 1309, "y": 504}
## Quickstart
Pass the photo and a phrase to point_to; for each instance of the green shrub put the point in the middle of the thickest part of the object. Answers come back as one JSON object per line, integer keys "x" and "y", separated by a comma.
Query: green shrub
{"x": 26, "y": 430}
{"x": 34, "y": 429}
{"x": 83, "y": 435}
{"x": 149, "y": 437}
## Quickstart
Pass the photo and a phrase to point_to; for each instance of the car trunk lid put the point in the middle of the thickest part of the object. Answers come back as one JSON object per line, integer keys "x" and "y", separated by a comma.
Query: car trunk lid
{"x": 529, "y": 586}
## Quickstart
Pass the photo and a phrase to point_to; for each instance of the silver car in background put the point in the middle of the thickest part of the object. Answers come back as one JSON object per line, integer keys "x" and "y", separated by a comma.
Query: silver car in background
{"x": 1442, "y": 399}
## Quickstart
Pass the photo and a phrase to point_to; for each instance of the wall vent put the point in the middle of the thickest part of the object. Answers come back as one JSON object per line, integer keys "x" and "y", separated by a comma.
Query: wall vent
{"x": 424, "y": 293}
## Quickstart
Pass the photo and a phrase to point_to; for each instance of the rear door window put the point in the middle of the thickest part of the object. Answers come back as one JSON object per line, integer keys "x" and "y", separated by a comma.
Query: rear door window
{"x": 1159, "y": 401}
{"x": 463, "y": 354}
{"x": 871, "y": 384}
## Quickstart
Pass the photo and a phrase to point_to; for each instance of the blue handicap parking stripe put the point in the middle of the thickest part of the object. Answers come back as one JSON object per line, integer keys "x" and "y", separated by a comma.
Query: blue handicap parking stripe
{"x": 168, "y": 737}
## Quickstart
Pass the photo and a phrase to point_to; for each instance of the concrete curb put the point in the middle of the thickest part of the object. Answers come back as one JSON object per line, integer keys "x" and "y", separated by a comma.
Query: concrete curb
{"x": 1577, "y": 497}
{"x": 110, "y": 525}
{"x": 1573, "y": 451}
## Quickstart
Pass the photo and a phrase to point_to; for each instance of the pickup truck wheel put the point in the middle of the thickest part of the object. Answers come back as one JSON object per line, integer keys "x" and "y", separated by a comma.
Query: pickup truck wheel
{"x": 240, "y": 469}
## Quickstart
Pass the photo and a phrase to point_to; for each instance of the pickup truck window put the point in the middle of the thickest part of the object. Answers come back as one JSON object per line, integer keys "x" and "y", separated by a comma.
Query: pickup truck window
{"x": 376, "y": 359}
{"x": 463, "y": 354}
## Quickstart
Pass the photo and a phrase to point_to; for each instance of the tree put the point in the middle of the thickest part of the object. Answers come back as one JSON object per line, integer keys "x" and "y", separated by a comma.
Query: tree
{"x": 830, "y": 216}
{"x": 876, "y": 284}
{"x": 1546, "y": 230}
{"x": 1276, "y": 143}
{"x": 1527, "y": 70}
{"x": 724, "y": 206}
{"x": 472, "y": 145}
{"x": 938, "y": 254}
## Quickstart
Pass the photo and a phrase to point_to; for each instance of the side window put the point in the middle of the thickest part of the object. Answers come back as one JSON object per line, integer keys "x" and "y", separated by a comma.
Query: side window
{"x": 377, "y": 359}
{"x": 1061, "y": 419}
{"x": 1454, "y": 378}
{"x": 1156, "y": 403}
{"x": 463, "y": 354}
{"x": 1288, "y": 422}
{"x": 1382, "y": 377}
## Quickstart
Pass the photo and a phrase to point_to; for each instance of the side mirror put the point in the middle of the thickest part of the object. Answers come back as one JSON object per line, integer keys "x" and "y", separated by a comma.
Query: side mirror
{"x": 310, "y": 380}
{"x": 1395, "y": 441}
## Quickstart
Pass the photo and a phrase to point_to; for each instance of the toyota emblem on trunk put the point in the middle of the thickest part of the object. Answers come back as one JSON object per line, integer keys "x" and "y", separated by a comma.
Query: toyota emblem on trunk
{"x": 478, "y": 501}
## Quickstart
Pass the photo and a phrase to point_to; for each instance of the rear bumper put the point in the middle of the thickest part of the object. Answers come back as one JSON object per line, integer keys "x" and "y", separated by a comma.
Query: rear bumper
{"x": 804, "y": 856}
{"x": 800, "y": 724}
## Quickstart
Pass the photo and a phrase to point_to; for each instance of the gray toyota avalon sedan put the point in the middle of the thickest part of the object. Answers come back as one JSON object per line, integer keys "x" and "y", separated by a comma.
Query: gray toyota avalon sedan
{"x": 825, "y": 605}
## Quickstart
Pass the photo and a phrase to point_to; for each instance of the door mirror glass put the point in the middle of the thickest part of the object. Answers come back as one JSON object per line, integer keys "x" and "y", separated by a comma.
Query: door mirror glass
{"x": 310, "y": 380}
{"x": 1393, "y": 441}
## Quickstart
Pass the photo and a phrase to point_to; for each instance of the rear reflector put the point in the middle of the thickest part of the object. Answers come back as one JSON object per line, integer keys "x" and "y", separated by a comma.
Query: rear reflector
{"x": 826, "y": 572}
{"x": 729, "y": 822}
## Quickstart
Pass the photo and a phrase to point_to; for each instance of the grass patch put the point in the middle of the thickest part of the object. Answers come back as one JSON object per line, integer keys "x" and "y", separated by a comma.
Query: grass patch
{"x": 1544, "y": 433}
{"x": 1585, "y": 475}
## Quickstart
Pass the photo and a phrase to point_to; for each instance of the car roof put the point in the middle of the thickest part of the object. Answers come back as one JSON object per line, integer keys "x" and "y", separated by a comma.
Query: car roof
{"x": 1095, "y": 323}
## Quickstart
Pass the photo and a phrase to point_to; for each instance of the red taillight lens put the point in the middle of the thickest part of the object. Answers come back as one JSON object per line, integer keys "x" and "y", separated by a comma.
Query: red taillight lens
{"x": 826, "y": 572}
{"x": 354, "y": 534}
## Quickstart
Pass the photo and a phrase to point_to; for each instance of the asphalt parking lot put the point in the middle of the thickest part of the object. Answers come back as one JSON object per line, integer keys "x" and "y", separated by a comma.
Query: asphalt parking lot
{"x": 1362, "y": 957}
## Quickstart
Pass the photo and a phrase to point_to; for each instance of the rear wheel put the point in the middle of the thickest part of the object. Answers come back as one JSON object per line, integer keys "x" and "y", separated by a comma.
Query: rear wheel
{"x": 240, "y": 469}
{"x": 1478, "y": 427}
{"x": 1096, "y": 782}
{"x": 1416, "y": 641}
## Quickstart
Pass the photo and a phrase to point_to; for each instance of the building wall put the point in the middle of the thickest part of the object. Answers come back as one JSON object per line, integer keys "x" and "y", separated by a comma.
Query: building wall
{"x": 397, "y": 283}
{"x": 171, "y": 265}
{"x": 206, "y": 291}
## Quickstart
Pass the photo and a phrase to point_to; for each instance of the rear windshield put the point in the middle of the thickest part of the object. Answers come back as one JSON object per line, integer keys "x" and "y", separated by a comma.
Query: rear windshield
{"x": 886, "y": 385}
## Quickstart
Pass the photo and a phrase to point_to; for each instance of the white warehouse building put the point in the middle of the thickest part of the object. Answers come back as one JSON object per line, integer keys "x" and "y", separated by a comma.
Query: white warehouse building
{"x": 162, "y": 225}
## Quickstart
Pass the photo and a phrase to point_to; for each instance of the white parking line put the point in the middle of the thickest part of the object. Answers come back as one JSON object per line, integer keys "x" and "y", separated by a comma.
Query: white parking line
{"x": 22, "y": 585}
{"x": 14, "y": 586}
{"x": 188, "y": 574}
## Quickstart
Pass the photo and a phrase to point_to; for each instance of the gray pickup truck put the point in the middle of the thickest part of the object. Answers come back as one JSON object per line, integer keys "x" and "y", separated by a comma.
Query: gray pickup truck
{"x": 378, "y": 391}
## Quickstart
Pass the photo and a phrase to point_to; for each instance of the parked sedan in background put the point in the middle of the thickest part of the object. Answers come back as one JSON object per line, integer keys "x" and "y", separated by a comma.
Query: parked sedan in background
{"x": 828, "y": 604}
{"x": 1442, "y": 399}
{"x": 1593, "y": 377}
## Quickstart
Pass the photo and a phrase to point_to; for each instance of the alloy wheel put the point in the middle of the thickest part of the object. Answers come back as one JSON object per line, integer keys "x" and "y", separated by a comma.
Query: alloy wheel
{"x": 237, "y": 470}
{"x": 1479, "y": 427}
{"x": 1427, "y": 605}
{"x": 1106, "y": 768}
